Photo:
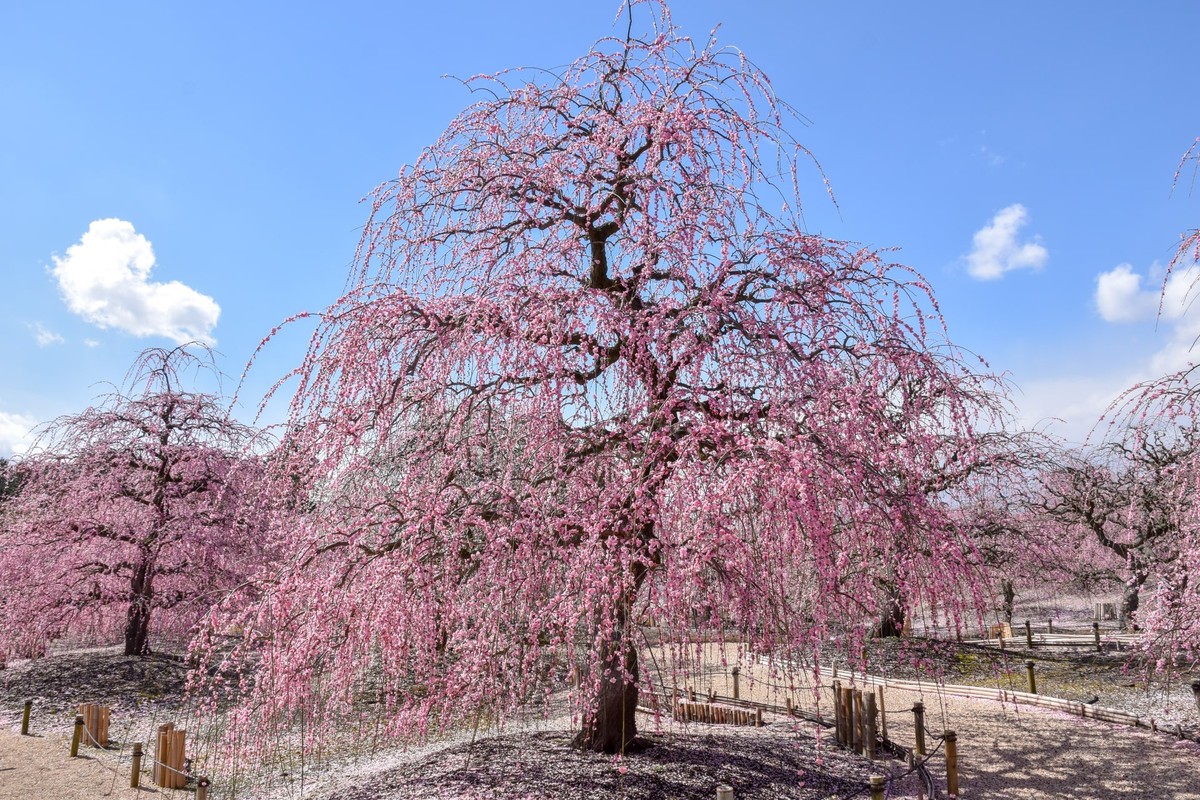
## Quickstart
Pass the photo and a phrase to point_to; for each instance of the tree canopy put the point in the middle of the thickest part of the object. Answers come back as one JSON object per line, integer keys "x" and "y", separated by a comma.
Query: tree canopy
{"x": 592, "y": 371}
{"x": 142, "y": 507}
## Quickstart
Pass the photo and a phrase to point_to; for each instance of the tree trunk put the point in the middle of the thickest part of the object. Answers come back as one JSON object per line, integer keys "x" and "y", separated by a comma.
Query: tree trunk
{"x": 1010, "y": 598}
{"x": 1131, "y": 599}
{"x": 891, "y": 623}
{"x": 137, "y": 619}
{"x": 610, "y": 725}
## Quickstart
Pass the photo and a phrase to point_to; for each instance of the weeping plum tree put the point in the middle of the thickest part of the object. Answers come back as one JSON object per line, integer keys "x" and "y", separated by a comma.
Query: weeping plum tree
{"x": 141, "y": 508}
{"x": 591, "y": 369}
{"x": 1155, "y": 424}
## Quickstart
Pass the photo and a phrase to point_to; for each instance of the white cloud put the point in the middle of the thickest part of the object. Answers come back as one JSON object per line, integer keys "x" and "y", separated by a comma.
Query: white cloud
{"x": 105, "y": 278}
{"x": 1121, "y": 298}
{"x": 997, "y": 251}
{"x": 44, "y": 336}
{"x": 15, "y": 433}
{"x": 90, "y": 343}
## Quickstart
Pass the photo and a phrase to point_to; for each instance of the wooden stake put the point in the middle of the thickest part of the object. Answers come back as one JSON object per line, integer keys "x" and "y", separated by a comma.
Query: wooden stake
{"x": 25, "y": 717}
{"x": 878, "y": 785}
{"x": 951, "y": 739}
{"x": 837, "y": 711}
{"x": 736, "y": 693}
{"x": 856, "y": 698}
{"x": 1029, "y": 634}
{"x": 136, "y": 769}
{"x": 177, "y": 759}
{"x": 919, "y": 724}
{"x": 161, "y": 747}
{"x": 724, "y": 792}
{"x": 882, "y": 713}
{"x": 869, "y": 718}
{"x": 758, "y": 723}
{"x": 76, "y": 736}
{"x": 105, "y": 718}
{"x": 1096, "y": 635}
{"x": 1029, "y": 665}
{"x": 202, "y": 789}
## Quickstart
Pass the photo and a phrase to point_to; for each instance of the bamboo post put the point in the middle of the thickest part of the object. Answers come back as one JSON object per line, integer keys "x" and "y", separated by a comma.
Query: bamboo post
{"x": 724, "y": 792}
{"x": 1096, "y": 635}
{"x": 1028, "y": 634}
{"x": 736, "y": 692}
{"x": 105, "y": 719}
{"x": 136, "y": 770}
{"x": 161, "y": 746}
{"x": 847, "y": 717}
{"x": 869, "y": 718}
{"x": 25, "y": 717}
{"x": 951, "y": 739}
{"x": 202, "y": 789}
{"x": 177, "y": 776}
{"x": 1029, "y": 665}
{"x": 878, "y": 784}
{"x": 919, "y": 723}
{"x": 76, "y": 736}
{"x": 882, "y": 713}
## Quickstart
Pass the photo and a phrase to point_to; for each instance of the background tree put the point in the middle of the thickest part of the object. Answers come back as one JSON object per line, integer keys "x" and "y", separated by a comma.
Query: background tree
{"x": 1155, "y": 423}
{"x": 1123, "y": 496}
{"x": 591, "y": 367}
{"x": 144, "y": 507}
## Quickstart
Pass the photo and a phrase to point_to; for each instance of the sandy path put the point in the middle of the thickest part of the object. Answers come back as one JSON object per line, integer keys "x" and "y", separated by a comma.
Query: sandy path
{"x": 1006, "y": 752}
{"x": 1010, "y": 752}
{"x": 41, "y": 768}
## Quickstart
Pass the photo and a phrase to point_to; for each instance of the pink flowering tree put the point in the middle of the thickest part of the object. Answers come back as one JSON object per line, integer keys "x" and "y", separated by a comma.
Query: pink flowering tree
{"x": 592, "y": 372}
{"x": 1156, "y": 422}
{"x": 140, "y": 510}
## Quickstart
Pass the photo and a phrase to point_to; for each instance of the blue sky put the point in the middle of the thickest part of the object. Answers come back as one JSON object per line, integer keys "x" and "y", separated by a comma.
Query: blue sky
{"x": 1021, "y": 155}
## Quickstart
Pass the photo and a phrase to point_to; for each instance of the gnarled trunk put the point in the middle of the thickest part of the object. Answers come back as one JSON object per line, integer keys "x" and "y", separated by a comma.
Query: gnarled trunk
{"x": 891, "y": 621}
{"x": 1010, "y": 599}
{"x": 137, "y": 618}
{"x": 610, "y": 724}
{"x": 1131, "y": 599}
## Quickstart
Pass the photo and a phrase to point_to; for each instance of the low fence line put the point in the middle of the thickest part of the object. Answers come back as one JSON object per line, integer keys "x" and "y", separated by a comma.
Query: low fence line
{"x": 1075, "y": 707}
{"x": 916, "y": 761}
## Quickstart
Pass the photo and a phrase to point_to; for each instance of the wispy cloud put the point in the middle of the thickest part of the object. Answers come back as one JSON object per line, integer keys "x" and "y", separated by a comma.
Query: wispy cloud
{"x": 996, "y": 248}
{"x": 15, "y": 433}
{"x": 105, "y": 278}
{"x": 44, "y": 336}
